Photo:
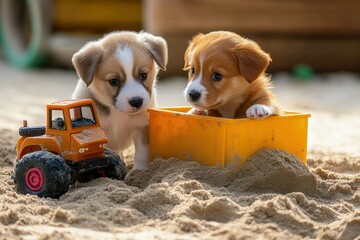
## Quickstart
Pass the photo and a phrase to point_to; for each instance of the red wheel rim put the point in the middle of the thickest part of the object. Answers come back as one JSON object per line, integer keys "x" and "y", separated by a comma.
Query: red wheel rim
{"x": 102, "y": 173}
{"x": 34, "y": 179}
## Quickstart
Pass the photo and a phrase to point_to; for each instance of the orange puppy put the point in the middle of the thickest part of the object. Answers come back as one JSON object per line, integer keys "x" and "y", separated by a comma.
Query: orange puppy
{"x": 226, "y": 77}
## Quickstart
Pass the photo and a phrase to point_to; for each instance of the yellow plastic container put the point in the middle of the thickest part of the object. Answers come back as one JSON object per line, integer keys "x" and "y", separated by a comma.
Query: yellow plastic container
{"x": 223, "y": 142}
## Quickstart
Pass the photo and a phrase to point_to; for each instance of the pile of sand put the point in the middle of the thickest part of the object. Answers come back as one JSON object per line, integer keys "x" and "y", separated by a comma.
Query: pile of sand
{"x": 8, "y": 141}
{"x": 272, "y": 196}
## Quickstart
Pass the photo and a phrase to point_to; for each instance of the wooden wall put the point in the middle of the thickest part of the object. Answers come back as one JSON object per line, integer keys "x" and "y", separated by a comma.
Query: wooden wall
{"x": 323, "y": 34}
{"x": 96, "y": 16}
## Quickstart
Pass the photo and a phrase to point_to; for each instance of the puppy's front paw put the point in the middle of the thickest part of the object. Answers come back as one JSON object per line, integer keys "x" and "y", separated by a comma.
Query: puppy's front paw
{"x": 197, "y": 112}
{"x": 258, "y": 111}
{"x": 141, "y": 165}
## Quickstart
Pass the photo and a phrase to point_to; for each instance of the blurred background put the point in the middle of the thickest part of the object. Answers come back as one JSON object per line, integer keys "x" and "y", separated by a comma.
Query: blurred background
{"x": 322, "y": 34}
{"x": 315, "y": 47}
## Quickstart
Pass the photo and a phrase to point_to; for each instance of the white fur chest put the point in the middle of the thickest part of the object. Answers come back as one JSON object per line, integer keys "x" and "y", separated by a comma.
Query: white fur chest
{"x": 119, "y": 127}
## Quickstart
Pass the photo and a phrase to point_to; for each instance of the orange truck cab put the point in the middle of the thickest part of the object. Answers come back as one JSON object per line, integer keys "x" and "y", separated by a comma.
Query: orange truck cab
{"x": 72, "y": 131}
{"x": 74, "y": 137}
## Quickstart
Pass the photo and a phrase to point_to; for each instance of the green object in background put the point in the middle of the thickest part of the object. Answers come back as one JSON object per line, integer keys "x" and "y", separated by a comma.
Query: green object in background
{"x": 303, "y": 72}
{"x": 24, "y": 29}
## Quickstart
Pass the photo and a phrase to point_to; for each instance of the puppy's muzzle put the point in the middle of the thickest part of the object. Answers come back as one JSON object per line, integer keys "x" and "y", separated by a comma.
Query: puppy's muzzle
{"x": 136, "y": 102}
{"x": 194, "y": 95}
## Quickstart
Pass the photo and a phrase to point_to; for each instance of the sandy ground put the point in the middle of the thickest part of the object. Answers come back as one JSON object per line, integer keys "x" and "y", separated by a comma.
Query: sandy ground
{"x": 272, "y": 197}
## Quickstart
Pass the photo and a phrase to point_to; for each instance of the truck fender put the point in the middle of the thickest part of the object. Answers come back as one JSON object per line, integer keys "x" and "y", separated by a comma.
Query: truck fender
{"x": 44, "y": 143}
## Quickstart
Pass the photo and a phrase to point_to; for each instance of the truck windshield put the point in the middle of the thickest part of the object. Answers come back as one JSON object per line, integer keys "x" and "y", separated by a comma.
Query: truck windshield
{"x": 82, "y": 116}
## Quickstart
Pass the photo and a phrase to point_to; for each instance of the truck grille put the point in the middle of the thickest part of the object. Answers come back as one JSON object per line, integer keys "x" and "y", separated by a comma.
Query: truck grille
{"x": 93, "y": 148}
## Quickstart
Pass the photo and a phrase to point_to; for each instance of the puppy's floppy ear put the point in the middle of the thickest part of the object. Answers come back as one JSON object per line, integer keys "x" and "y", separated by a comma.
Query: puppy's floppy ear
{"x": 157, "y": 46}
{"x": 86, "y": 61}
{"x": 252, "y": 60}
{"x": 191, "y": 46}
{"x": 186, "y": 56}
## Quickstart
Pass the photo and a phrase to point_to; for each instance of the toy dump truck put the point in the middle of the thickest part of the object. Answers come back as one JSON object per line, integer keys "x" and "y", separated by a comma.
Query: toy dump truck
{"x": 69, "y": 148}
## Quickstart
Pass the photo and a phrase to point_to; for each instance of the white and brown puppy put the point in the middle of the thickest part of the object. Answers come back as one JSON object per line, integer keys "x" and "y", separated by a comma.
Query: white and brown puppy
{"x": 119, "y": 72}
{"x": 226, "y": 77}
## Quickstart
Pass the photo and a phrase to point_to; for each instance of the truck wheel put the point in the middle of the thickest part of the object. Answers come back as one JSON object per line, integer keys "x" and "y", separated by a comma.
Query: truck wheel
{"x": 32, "y": 131}
{"x": 116, "y": 167}
{"x": 87, "y": 176}
{"x": 43, "y": 174}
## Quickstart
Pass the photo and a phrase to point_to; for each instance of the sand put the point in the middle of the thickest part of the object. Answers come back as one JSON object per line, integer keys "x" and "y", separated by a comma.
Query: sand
{"x": 273, "y": 196}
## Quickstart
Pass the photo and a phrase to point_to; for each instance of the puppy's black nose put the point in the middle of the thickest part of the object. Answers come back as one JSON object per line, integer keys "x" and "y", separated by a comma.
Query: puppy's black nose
{"x": 136, "y": 102}
{"x": 194, "y": 95}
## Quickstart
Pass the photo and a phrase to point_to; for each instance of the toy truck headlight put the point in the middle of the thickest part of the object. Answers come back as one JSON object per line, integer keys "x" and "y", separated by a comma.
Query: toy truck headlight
{"x": 81, "y": 150}
{"x": 101, "y": 145}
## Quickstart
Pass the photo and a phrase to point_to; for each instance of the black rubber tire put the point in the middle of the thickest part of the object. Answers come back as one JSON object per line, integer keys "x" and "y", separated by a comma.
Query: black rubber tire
{"x": 56, "y": 174}
{"x": 87, "y": 176}
{"x": 32, "y": 131}
{"x": 72, "y": 177}
{"x": 116, "y": 169}
{"x": 116, "y": 166}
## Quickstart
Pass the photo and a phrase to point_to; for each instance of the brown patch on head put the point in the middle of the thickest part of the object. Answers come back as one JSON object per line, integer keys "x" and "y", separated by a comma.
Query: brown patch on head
{"x": 252, "y": 60}
{"x": 86, "y": 61}
{"x": 215, "y": 53}
{"x": 228, "y": 47}
{"x": 237, "y": 60}
{"x": 97, "y": 63}
{"x": 189, "y": 51}
{"x": 157, "y": 47}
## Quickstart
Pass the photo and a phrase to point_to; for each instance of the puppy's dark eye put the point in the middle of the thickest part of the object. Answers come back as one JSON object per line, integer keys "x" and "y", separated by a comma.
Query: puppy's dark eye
{"x": 114, "y": 82}
{"x": 192, "y": 71}
{"x": 217, "y": 76}
{"x": 143, "y": 76}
